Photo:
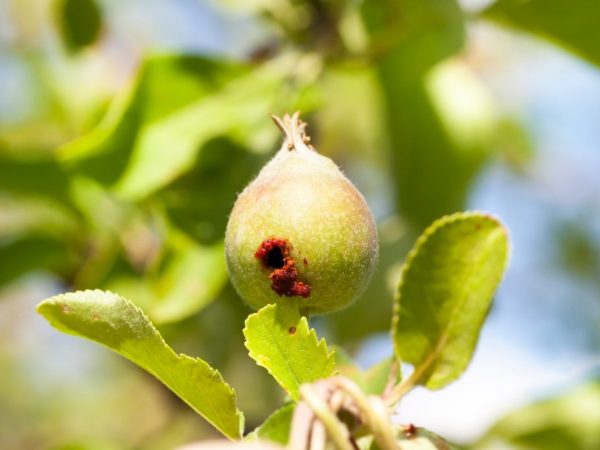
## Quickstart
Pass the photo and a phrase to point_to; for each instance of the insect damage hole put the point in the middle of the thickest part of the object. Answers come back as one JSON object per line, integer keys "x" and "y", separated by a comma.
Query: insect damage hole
{"x": 274, "y": 254}
{"x": 275, "y": 258}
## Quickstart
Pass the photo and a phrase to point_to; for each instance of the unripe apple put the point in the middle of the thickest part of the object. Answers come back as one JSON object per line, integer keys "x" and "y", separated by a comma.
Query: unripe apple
{"x": 300, "y": 230}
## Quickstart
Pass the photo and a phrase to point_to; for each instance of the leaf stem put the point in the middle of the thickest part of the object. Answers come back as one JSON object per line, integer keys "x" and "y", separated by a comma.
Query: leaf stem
{"x": 335, "y": 428}
{"x": 392, "y": 378}
{"x": 403, "y": 388}
{"x": 415, "y": 378}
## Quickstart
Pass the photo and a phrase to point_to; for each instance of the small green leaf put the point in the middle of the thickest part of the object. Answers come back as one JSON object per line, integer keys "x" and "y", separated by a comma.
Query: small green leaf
{"x": 277, "y": 426}
{"x": 80, "y": 22}
{"x": 280, "y": 340}
{"x": 118, "y": 324}
{"x": 31, "y": 253}
{"x": 445, "y": 293}
{"x": 572, "y": 24}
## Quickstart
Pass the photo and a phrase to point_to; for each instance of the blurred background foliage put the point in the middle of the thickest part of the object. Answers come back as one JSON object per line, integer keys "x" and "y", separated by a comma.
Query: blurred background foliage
{"x": 127, "y": 128}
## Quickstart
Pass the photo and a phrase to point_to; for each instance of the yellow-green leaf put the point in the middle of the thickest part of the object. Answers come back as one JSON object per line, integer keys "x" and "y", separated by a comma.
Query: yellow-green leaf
{"x": 280, "y": 340}
{"x": 445, "y": 293}
{"x": 276, "y": 427}
{"x": 121, "y": 326}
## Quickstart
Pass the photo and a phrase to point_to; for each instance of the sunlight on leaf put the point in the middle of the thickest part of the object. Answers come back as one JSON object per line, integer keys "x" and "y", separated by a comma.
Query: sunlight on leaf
{"x": 163, "y": 86}
{"x": 435, "y": 153}
{"x": 276, "y": 427}
{"x": 118, "y": 324}
{"x": 280, "y": 340}
{"x": 445, "y": 294}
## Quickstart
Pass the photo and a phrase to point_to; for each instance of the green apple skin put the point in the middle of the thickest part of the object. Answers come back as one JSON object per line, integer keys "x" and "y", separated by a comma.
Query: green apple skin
{"x": 302, "y": 197}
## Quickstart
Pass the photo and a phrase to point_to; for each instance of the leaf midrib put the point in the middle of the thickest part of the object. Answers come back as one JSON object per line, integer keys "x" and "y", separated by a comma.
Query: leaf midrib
{"x": 426, "y": 364}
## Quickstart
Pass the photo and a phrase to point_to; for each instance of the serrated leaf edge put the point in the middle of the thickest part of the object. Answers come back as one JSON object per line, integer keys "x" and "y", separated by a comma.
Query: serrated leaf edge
{"x": 179, "y": 356}
{"x": 303, "y": 326}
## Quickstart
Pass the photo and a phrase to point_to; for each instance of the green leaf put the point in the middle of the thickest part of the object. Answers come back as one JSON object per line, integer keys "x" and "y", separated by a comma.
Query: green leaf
{"x": 277, "y": 426}
{"x": 200, "y": 200}
{"x": 121, "y": 326}
{"x": 155, "y": 130}
{"x": 445, "y": 293}
{"x": 438, "y": 143}
{"x": 570, "y": 420}
{"x": 32, "y": 215}
{"x": 192, "y": 277}
{"x": 163, "y": 86}
{"x": 419, "y": 32}
{"x": 572, "y": 24}
{"x": 80, "y": 22}
{"x": 31, "y": 253}
{"x": 375, "y": 379}
{"x": 39, "y": 177}
{"x": 280, "y": 340}
{"x": 169, "y": 147}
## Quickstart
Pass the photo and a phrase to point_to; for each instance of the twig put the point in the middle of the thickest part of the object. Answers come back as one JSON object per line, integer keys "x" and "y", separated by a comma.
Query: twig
{"x": 375, "y": 416}
{"x": 335, "y": 428}
{"x": 318, "y": 436}
{"x": 301, "y": 427}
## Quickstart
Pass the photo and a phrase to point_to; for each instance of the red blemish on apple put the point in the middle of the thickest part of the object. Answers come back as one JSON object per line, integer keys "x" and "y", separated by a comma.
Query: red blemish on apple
{"x": 274, "y": 254}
